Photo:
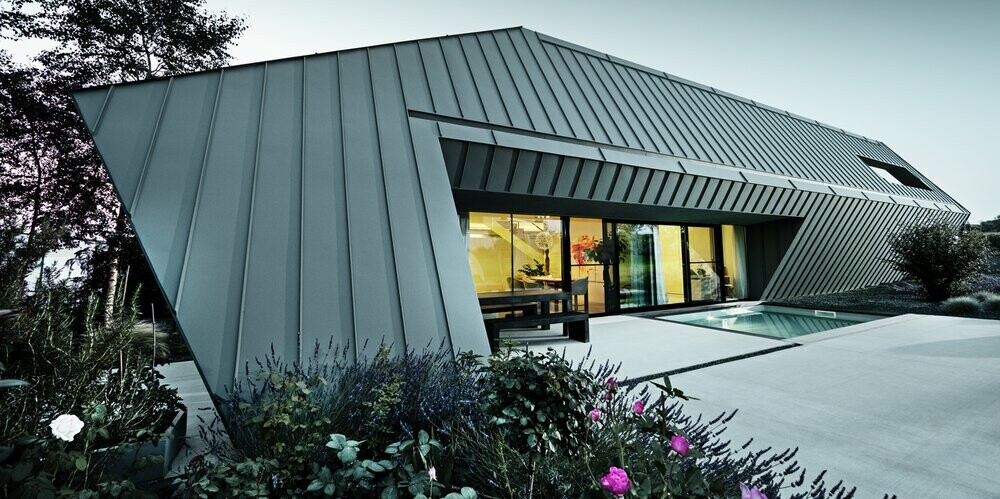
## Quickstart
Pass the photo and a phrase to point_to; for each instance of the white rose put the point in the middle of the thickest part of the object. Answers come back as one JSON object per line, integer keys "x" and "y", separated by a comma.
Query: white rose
{"x": 66, "y": 427}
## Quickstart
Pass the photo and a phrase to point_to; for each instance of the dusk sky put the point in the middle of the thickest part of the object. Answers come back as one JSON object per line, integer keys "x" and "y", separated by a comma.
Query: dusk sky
{"x": 921, "y": 76}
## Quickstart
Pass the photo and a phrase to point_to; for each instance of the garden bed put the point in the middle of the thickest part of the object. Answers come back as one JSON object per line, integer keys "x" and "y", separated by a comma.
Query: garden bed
{"x": 894, "y": 298}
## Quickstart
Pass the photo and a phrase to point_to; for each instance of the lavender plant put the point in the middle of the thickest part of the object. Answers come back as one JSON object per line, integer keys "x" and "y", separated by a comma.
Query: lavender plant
{"x": 286, "y": 411}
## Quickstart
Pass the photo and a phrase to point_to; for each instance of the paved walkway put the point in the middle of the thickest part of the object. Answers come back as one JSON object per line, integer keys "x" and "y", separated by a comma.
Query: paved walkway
{"x": 649, "y": 346}
{"x": 185, "y": 378}
{"x": 909, "y": 406}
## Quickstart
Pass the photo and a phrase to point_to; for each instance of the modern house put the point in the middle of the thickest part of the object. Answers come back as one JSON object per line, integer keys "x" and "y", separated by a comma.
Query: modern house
{"x": 370, "y": 194}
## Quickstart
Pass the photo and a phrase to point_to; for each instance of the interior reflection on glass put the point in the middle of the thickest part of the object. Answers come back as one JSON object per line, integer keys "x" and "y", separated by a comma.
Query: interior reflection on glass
{"x": 586, "y": 240}
{"x": 734, "y": 265}
{"x": 705, "y": 282}
{"x": 652, "y": 265}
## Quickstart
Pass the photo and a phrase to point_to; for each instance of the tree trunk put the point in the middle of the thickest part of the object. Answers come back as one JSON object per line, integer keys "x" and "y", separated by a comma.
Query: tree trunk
{"x": 109, "y": 299}
{"x": 112, "y": 293}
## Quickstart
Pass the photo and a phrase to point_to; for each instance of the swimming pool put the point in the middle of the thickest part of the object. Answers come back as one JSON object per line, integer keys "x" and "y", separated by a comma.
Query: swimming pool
{"x": 771, "y": 321}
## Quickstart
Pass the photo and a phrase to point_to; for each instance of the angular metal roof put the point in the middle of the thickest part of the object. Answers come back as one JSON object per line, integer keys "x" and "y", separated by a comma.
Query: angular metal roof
{"x": 285, "y": 201}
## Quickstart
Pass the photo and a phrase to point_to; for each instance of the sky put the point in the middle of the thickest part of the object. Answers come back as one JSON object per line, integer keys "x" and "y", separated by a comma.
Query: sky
{"x": 921, "y": 76}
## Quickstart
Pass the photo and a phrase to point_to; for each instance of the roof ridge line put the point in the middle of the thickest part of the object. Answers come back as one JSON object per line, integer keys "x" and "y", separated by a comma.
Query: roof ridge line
{"x": 300, "y": 56}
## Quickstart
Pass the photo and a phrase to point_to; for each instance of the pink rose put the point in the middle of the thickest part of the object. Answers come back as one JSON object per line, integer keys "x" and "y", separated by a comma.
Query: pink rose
{"x": 616, "y": 481}
{"x": 679, "y": 444}
{"x": 751, "y": 493}
{"x": 638, "y": 407}
{"x": 595, "y": 414}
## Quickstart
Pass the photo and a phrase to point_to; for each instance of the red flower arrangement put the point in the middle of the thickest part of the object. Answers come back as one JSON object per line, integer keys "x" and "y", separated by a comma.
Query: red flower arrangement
{"x": 583, "y": 249}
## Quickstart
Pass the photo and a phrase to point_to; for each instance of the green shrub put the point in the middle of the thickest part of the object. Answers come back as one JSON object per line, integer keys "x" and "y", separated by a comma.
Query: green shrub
{"x": 961, "y": 305}
{"x": 993, "y": 239}
{"x": 539, "y": 402}
{"x": 66, "y": 365}
{"x": 478, "y": 418}
{"x": 941, "y": 257}
{"x": 984, "y": 296}
{"x": 991, "y": 304}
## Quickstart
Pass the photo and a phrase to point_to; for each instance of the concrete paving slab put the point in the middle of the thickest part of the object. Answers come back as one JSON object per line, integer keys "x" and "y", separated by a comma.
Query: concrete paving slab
{"x": 909, "y": 407}
{"x": 647, "y": 346}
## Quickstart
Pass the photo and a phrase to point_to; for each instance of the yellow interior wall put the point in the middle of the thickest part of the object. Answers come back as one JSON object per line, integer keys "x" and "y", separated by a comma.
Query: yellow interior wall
{"x": 671, "y": 262}
{"x": 490, "y": 250}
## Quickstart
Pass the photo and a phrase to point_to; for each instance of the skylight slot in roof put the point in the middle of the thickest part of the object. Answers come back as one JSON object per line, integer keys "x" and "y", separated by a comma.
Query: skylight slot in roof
{"x": 894, "y": 174}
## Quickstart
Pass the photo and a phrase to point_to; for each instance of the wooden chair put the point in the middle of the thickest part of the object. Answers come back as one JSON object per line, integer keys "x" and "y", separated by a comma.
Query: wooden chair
{"x": 581, "y": 287}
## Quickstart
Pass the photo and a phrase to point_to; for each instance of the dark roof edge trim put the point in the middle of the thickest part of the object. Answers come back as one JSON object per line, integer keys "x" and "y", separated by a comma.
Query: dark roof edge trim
{"x": 300, "y": 56}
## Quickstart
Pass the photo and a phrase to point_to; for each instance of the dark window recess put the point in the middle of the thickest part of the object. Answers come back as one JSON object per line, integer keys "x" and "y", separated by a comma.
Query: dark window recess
{"x": 894, "y": 174}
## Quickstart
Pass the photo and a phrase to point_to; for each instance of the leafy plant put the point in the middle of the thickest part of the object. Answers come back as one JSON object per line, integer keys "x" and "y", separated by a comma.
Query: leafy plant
{"x": 246, "y": 478}
{"x": 940, "y": 256}
{"x": 538, "y": 401}
{"x": 660, "y": 460}
{"x": 74, "y": 365}
{"x": 286, "y": 412}
{"x": 993, "y": 239}
{"x": 43, "y": 466}
{"x": 405, "y": 469}
{"x": 533, "y": 270}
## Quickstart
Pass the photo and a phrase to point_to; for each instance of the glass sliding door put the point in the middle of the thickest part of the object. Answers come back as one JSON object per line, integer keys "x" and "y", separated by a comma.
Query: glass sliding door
{"x": 651, "y": 268}
{"x": 671, "y": 253}
{"x": 591, "y": 259}
{"x": 702, "y": 264}
{"x": 637, "y": 267}
{"x": 734, "y": 262}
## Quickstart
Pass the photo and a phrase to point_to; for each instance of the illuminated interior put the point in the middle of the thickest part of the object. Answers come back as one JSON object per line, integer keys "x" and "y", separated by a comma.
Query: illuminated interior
{"x": 509, "y": 252}
{"x": 634, "y": 265}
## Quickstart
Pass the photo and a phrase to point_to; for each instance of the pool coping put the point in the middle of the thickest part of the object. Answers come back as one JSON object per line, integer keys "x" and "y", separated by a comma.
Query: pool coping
{"x": 796, "y": 340}
{"x": 855, "y": 329}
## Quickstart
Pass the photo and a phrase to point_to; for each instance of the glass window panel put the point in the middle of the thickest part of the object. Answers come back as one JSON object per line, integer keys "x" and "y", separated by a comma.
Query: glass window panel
{"x": 585, "y": 234}
{"x": 734, "y": 267}
{"x": 490, "y": 251}
{"x": 672, "y": 268}
{"x": 705, "y": 282}
{"x": 701, "y": 241}
{"x": 537, "y": 250}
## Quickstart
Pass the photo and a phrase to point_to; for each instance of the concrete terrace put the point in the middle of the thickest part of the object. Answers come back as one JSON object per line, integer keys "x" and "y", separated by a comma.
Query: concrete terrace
{"x": 905, "y": 405}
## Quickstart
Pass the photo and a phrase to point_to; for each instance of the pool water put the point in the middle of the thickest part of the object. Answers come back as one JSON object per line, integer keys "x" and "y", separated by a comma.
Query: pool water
{"x": 771, "y": 321}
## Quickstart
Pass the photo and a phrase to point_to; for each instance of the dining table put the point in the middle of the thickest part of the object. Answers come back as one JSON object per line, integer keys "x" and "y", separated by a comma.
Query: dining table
{"x": 550, "y": 281}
